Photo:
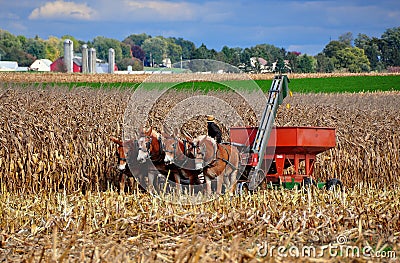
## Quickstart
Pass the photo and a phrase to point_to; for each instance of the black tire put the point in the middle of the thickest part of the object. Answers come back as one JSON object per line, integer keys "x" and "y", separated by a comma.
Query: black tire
{"x": 308, "y": 182}
{"x": 334, "y": 184}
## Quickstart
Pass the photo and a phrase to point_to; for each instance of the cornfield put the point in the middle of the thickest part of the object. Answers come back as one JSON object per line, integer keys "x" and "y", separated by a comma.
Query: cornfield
{"x": 57, "y": 179}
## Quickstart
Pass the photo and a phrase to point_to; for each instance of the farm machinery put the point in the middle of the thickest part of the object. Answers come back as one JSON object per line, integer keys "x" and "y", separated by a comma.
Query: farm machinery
{"x": 280, "y": 156}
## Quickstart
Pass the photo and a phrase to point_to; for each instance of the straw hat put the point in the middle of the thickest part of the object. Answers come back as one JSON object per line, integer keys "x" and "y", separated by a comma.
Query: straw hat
{"x": 210, "y": 118}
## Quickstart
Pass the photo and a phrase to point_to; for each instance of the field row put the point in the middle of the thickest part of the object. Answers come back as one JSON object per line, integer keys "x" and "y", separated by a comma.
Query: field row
{"x": 15, "y": 77}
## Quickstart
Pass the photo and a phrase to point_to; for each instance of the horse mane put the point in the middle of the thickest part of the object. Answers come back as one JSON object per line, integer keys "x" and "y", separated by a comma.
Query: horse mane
{"x": 210, "y": 139}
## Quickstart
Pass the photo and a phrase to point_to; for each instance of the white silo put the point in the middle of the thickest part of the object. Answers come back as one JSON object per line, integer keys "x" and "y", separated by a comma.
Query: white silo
{"x": 68, "y": 54}
{"x": 111, "y": 60}
{"x": 92, "y": 60}
{"x": 85, "y": 59}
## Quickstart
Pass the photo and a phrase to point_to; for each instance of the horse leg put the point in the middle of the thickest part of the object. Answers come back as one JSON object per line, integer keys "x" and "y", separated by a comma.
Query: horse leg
{"x": 150, "y": 183}
{"x": 220, "y": 180}
{"x": 208, "y": 184}
{"x": 177, "y": 183}
{"x": 122, "y": 179}
{"x": 233, "y": 182}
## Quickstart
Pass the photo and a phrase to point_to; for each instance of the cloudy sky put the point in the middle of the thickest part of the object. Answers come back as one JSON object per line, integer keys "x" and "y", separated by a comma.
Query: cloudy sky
{"x": 304, "y": 26}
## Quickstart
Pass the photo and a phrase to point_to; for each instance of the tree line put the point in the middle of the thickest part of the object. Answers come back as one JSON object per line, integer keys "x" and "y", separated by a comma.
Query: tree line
{"x": 346, "y": 54}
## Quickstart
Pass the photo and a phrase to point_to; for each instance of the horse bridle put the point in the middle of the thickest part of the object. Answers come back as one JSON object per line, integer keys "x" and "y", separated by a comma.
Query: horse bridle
{"x": 149, "y": 147}
{"x": 175, "y": 145}
{"x": 119, "y": 158}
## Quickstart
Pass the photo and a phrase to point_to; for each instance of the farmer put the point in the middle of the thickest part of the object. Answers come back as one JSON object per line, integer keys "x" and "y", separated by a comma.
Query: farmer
{"x": 213, "y": 129}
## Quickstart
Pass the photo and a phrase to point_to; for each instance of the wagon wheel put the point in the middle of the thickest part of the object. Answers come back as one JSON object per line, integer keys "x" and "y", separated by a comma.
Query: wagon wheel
{"x": 256, "y": 178}
{"x": 308, "y": 182}
{"x": 334, "y": 184}
{"x": 242, "y": 188}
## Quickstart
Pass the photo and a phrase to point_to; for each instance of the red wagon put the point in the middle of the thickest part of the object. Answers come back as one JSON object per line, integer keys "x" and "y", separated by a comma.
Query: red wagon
{"x": 290, "y": 153}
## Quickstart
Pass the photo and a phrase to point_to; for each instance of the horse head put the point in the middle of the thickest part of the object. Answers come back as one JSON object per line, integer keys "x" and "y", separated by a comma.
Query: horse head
{"x": 128, "y": 147}
{"x": 149, "y": 145}
{"x": 176, "y": 150}
{"x": 204, "y": 151}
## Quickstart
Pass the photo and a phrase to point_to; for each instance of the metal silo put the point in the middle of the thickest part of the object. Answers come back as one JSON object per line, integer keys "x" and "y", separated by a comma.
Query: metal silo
{"x": 85, "y": 59}
{"x": 111, "y": 60}
{"x": 92, "y": 60}
{"x": 68, "y": 54}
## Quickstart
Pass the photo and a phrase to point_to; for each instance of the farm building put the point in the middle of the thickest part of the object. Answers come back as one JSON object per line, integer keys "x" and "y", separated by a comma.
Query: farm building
{"x": 41, "y": 65}
{"x": 103, "y": 67}
{"x": 59, "y": 65}
{"x": 8, "y": 65}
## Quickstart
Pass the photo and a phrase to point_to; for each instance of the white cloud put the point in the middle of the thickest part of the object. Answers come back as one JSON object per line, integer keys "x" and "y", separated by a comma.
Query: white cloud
{"x": 164, "y": 10}
{"x": 63, "y": 10}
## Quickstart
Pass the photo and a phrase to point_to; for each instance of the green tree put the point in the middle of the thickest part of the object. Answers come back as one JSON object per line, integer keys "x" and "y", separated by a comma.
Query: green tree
{"x": 201, "y": 52}
{"x": 187, "y": 47}
{"x": 54, "y": 48}
{"x": 371, "y": 49}
{"x": 324, "y": 64}
{"x": 353, "y": 59}
{"x": 76, "y": 43}
{"x": 35, "y": 47}
{"x": 102, "y": 45}
{"x": 155, "y": 48}
{"x": 306, "y": 64}
{"x": 136, "y": 39}
{"x": 333, "y": 47}
{"x": 390, "y": 47}
{"x": 346, "y": 38}
{"x": 136, "y": 64}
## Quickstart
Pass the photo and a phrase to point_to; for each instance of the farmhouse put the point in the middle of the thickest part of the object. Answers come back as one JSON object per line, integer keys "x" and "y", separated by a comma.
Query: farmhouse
{"x": 41, "y": 65}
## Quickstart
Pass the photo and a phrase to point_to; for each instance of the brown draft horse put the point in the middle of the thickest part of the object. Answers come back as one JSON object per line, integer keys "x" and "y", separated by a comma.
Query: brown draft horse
{"x": 151, "y": 152}
{"x": 177, "y": 153}
{"x": 135, "y": 169}
{"x": 219, "y": 161}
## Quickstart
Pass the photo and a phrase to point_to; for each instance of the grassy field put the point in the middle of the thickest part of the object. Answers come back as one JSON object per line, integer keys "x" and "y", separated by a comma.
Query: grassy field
{"x": 302, "y": 83}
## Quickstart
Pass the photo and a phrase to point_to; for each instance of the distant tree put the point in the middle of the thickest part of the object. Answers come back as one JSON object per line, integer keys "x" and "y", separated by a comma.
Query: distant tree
{"x": 35, "y": 47}
{"x": 136, "y": 39}
{"x": 346, "y": 38}
{"x": 201, "y": 52}
{"x": 306, "y": 64}
{"x": 54, "y": 47}
{"x": 155, "y": 48}
{"x": 371, "y": 50}
{"x": 231, "y": 55}
{"x": 138, "y": 52}
{"x": 324, "y": 64}
{"x": 76, "y": 43}
{"x": 187, "y": 47}
{"x": 24, "y": 59}
{"x": 390, "y": 47}
{"x": 8, "y": 40}
{"x": 136, "y": 64}
{"x": 333, "y": 47}
{"x": 102, "y": 46}
{"x": 280, "y": 65}
{"x": 174, "y": 52}
{"x": 293, "y": 57}
{"x": 353, "y": 59}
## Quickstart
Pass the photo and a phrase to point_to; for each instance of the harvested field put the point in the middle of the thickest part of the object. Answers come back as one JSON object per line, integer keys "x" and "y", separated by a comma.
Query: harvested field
{"x": 15, "y": 77}
{"x": 57, "y": 174}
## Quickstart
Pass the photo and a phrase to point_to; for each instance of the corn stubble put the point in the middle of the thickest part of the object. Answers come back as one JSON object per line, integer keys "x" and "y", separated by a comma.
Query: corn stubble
{"x": 57, "y": 176}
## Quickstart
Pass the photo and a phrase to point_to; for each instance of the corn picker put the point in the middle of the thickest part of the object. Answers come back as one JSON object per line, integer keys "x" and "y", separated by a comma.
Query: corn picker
{"x": 280, "y": 156}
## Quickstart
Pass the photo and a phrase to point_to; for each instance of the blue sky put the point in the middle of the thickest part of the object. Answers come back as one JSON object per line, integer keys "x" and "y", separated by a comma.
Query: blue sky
{"x": 304, "y": 26}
